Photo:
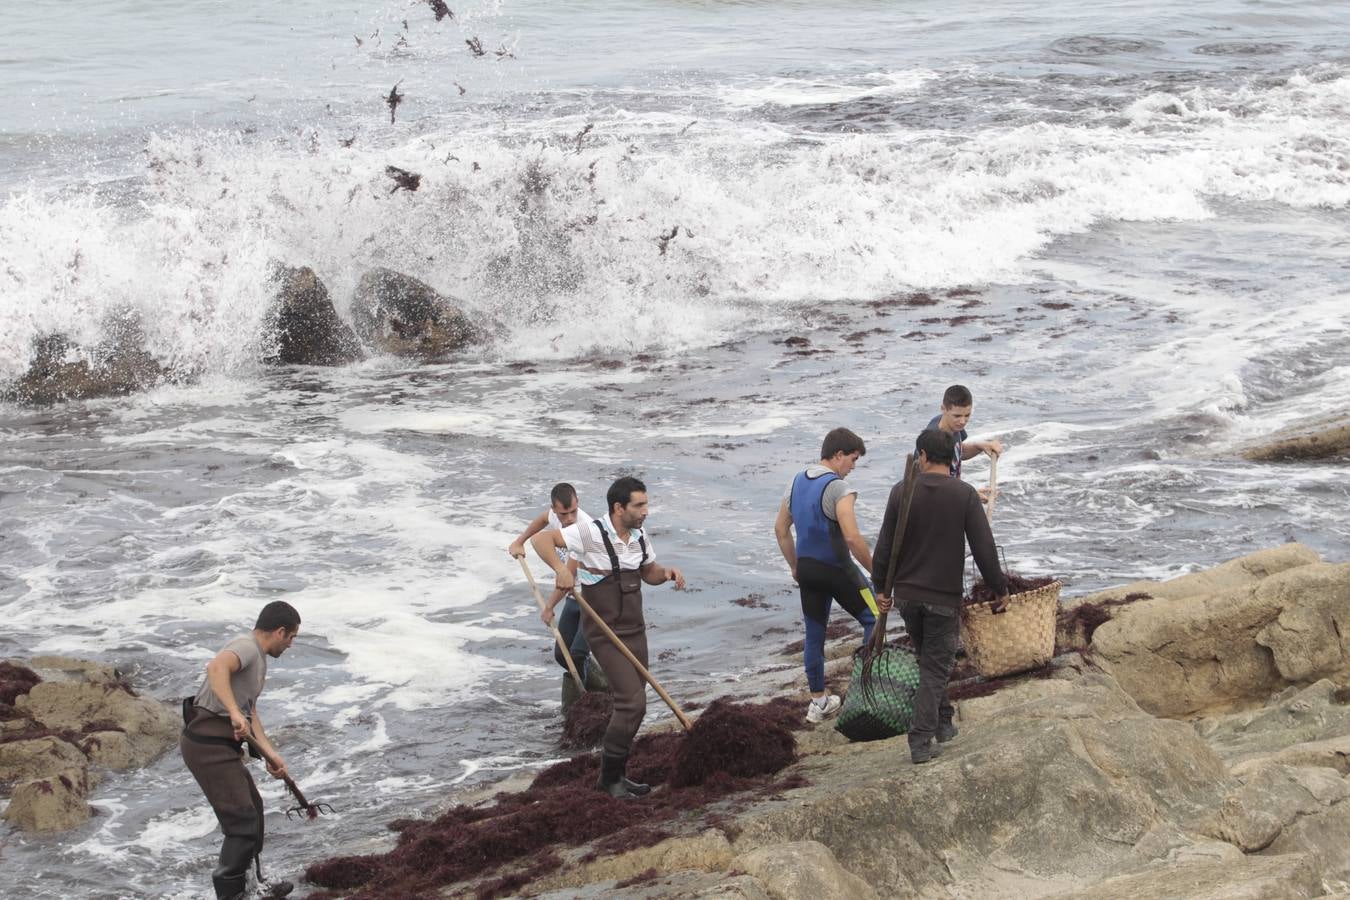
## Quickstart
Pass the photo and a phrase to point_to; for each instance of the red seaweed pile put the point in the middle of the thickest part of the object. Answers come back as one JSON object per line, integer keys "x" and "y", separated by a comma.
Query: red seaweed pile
{"x": 562, "y": 808}
{"x": 733, "y": 739}
{"x": 585, "y": 721}
{"x": 982, "y": 593}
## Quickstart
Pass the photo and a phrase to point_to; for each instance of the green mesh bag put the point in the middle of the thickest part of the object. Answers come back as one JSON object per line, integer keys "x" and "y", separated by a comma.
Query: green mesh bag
{"x": 886, "y": 709}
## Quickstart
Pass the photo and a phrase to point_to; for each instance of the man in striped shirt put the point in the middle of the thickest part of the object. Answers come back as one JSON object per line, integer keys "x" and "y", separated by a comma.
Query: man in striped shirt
{"x": 615, "y": 557}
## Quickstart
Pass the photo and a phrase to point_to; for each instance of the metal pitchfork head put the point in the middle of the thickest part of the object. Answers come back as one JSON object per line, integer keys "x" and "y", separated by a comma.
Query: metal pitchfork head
{"x": 309, "y": 810}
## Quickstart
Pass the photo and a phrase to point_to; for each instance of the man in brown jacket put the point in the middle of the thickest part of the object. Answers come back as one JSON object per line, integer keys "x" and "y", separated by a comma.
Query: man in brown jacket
{"x": 944, "y": 515}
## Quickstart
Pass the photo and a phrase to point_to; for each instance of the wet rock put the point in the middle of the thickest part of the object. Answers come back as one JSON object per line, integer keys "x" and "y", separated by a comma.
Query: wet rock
{"x": 397, "y": 314}
{"x": 111, "y": 750}
{"x": 303, "y": 326}
{"x": 67, "y": 668}
{"x": 802, "y": 869}
{"x": 54, "y": 803}
{"x": 1319, "y": 441}
{"x": 1234, "y": 647}
{"x": 150, "y": 726}
{"x": 38, "y": 758}
{"x": 61, "y": 370}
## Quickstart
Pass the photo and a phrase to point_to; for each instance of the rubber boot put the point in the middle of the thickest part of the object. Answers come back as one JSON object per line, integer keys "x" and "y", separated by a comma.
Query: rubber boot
{"x": 593, "y": 675}
{"x": 230, "y": 876}
{"x": 612, "y": 780}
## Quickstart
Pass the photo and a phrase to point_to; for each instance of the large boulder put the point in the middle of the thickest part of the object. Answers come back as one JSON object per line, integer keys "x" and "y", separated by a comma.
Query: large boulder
{"x": 397, "y": 314}
{"x": 23, "y": 760}
{"x": 61, "y": 370}
{"x": 1317, "y": 440}
{"x": 150, "y": 726}
{"x": 54, "y": 803}
{"x": 1234, "y": 647}
{"x": 1047, "y": 786}
{"x": 302, "y": 326}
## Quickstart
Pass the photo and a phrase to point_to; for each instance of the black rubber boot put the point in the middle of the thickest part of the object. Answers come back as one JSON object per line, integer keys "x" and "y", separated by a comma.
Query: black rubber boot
{"x": 230, "y": 876}
{"x": 947, "y": 731}
{"x": 612, "y": 780}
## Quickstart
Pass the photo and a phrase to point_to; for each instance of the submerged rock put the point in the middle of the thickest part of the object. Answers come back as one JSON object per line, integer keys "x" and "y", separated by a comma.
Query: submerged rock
{"x": 397, "y": 314}
{"x": 303, "y": 327}
{"x": 1320, "y": 441}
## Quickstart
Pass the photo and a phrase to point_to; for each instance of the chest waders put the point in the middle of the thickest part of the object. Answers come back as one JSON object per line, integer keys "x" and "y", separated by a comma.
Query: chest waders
{"x": 215, "y": 759}
{"x": 617, "y": 599}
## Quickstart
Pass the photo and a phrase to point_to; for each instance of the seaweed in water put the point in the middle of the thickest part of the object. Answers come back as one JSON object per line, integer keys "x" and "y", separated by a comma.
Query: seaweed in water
{"x": 586, "y": 719}
{"x": 561, "y": 808}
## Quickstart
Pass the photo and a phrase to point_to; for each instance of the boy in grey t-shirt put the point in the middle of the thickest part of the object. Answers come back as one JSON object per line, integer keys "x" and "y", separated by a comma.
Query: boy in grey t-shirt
{"x": 220, "y": 718}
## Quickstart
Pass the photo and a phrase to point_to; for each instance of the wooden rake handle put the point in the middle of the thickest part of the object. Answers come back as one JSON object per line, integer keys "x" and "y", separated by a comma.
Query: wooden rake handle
{"x": 557, "y": 635}
{"x": 993, "y": 486}
{"x": 642, "y": 670}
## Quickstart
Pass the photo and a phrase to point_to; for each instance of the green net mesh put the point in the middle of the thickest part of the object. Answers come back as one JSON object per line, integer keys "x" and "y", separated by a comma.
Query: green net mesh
{"x": 886, "y": 709}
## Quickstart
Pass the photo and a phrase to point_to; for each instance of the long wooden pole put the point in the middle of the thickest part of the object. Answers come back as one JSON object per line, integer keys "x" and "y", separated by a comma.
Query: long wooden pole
{"x": 557, "y": 635}
{"x": 642, "y": 670}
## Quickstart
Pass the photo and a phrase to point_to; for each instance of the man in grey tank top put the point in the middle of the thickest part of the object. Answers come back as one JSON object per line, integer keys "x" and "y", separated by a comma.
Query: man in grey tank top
{"x": 219, "y": 720}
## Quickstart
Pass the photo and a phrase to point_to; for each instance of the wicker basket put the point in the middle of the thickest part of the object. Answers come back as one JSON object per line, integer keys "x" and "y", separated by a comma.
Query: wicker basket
{"x": 1021, "y": 638}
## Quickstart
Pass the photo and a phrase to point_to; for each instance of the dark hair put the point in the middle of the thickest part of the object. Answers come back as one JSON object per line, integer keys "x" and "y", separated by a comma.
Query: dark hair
{"x": 841, "y": 440}
{"x": 957, "y": 395}
{"x": 622, "y": 490}
{"x": 938, "y": 445}
{"x": 278, "y": 614}
{"x": 563, "y": 494}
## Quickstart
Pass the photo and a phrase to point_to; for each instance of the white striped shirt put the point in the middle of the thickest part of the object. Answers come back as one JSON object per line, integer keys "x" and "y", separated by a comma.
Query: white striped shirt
{"x": 585, "y": 545}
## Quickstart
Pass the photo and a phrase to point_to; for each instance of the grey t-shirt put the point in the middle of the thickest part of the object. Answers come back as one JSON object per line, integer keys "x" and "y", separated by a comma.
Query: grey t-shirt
{"x": 835, "y": 491}
{"x": 246, "y": 684}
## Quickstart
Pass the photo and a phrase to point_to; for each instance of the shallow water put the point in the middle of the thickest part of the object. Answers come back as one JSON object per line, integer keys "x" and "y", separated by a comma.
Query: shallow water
{"x": 1131, "y": 220}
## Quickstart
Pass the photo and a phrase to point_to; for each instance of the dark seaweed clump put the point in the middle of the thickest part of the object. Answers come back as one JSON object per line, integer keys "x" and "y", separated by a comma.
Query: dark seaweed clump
{"x": 15, "y": 681}
{"x": 561, "y": 808}
{"x": 982, "y": 593}
{"x": 585, "y": 722}
{"x": 737, "y": 740}
{"x": 1085, "y": 618}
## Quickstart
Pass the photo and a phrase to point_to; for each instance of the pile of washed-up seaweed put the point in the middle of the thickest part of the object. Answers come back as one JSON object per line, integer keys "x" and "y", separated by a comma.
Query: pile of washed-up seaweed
{"x": 733, "y": 748}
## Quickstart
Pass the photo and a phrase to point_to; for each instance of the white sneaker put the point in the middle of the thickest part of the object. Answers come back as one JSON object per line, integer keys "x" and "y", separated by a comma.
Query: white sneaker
{"x": 821, "y": 709}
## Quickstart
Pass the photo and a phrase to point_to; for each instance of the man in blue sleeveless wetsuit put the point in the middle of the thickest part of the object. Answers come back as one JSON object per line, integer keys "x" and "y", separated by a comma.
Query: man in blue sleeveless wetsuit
{"x": 820, "y": 504}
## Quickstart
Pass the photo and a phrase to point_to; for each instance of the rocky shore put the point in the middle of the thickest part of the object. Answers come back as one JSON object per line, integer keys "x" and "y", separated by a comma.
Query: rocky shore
{"x": 63, "y": 724}
{"x": 1198, "y": 745}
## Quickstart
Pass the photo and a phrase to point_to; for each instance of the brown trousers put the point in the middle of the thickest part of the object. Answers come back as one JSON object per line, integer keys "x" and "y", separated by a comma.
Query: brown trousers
{"x": 620, "y": 605}
{"x": 224, "y": 779}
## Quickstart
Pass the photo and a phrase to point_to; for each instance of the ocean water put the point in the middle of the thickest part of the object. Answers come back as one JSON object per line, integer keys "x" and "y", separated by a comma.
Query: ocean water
{"x": 1130, "y": 220}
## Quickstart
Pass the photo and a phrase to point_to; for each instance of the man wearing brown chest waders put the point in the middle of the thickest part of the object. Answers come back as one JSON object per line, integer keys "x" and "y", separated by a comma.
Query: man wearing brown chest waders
{"x": 218, "y": 720}
{"x": 615, "y": 557}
